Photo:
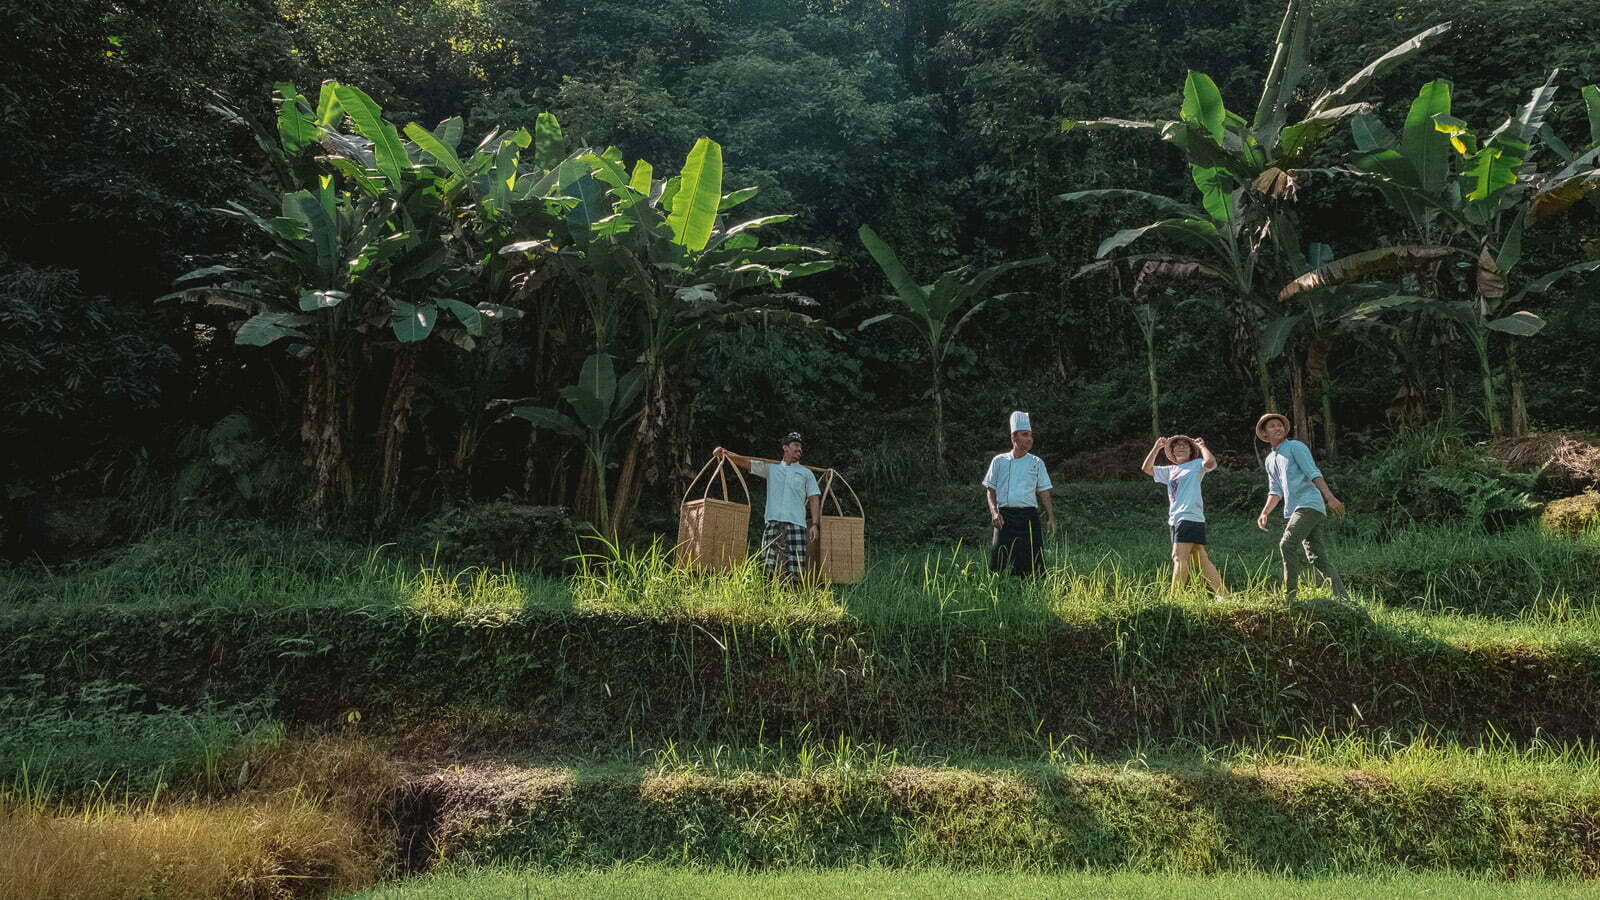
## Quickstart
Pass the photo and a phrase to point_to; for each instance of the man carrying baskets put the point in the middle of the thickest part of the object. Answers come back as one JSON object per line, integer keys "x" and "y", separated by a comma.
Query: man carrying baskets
{"x": 1016, "y": 486}
{"x": 791, "y": 492}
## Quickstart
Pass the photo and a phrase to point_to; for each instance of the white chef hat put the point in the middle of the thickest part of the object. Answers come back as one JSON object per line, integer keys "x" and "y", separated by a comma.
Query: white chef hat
{"x": 1019, "y": 422}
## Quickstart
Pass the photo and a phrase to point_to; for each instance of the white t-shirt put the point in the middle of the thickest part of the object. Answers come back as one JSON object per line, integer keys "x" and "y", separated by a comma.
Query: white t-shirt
{"x": 1184, "y": 503}
{"x": 1017, "y": 481}
{"x": 788, "y": 486}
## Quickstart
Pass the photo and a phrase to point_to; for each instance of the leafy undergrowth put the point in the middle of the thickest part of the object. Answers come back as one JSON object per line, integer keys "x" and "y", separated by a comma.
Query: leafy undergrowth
{"x": 699, "y": 883}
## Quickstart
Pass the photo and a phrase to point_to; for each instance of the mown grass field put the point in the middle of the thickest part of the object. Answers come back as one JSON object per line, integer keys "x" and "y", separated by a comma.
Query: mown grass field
{"x": 931, "y": 730}
{"x": 852, "y": 883}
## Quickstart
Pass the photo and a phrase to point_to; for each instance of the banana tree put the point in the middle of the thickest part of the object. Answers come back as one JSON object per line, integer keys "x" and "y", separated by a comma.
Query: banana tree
{"x": 660, "y": 265}
{"x": 603, "y": 406}
{"x": 931, "y": 310}
{"x": 1478, "y": 200}
{"x": 359, "y": 256}
{"x": 1247, "y": 172}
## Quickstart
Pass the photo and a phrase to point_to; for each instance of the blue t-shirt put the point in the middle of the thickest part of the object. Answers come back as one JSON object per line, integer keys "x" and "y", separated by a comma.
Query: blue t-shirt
{"x": 1184, "y": 503}
{"x": 1290, "y": 474}
{"x": 788, "y": 487}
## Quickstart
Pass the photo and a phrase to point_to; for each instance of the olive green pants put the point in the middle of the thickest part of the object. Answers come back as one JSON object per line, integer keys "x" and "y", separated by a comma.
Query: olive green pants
{"x": 1307, "y": 535}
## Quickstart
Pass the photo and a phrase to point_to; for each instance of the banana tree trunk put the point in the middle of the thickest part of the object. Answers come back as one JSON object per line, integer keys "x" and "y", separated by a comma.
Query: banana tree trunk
{"x": 1519, "y": 396}
{"x": 1318, "y": 376}
{"x": 324, "y": 428}
{"x": 394, "y": 422}
{"x": 1269, "y": 399}
{"x": 602, "y": 506}
{"x": 628, "y": 486}
{"x": 1330, "y": 440}
{"x": 1297, "y": 400}
{"x": 1491, "y": 400}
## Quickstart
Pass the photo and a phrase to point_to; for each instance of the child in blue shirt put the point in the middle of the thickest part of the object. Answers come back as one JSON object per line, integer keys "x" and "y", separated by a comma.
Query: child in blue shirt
{"x": 1186, "y": 509}
{"x": 1294, "y": 480}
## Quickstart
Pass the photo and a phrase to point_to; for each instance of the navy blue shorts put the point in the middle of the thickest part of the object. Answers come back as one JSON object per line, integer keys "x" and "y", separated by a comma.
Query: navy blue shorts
{"x": 1189, "y": 532}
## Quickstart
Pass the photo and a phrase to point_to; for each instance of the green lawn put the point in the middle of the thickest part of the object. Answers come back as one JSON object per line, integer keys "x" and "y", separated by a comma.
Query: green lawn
{"x": 849, "y": 884}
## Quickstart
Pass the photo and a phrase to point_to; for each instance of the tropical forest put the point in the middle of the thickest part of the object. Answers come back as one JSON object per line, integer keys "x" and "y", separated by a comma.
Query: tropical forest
{"x": 487, "y": 449}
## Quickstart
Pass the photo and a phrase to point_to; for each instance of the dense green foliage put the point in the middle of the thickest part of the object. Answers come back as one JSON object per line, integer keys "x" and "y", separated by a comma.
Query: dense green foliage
{"x": 936, "y": 123}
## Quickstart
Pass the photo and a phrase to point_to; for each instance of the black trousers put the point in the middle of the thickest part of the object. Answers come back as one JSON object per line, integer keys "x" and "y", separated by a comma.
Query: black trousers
{"x": 1016, "y": 544}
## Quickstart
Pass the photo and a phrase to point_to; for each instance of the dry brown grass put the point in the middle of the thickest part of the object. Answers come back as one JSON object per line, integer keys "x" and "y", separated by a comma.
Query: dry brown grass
{"x": 1568, "y": 457}
{"x": 312, "y": 821}
{"x": 284, "y": 847}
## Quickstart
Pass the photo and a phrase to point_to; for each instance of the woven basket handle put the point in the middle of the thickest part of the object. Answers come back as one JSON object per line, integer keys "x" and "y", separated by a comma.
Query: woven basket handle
{"x": 722, "y": 475}
{"x": 828, "y": 493}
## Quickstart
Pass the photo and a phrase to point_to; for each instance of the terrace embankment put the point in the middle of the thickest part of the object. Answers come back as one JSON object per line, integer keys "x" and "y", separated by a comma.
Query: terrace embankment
{"x": 1032, "y": 817}
{"x": 548, "y": 680}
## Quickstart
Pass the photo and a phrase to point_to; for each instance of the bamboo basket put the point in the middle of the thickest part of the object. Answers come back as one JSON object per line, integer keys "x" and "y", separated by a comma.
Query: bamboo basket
{"x": 713, "y": 533}
{"x": 841, "y": 546}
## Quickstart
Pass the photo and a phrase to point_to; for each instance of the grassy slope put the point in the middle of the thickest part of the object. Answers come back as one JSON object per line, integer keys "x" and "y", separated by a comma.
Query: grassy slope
{"x": 1473, "y": 632}
{"x": 1011, "y": 725}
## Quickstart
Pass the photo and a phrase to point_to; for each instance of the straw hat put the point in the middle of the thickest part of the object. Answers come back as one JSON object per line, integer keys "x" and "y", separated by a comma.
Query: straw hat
{"x": 1194, "y": 449}
{"x": 1287, "y": 425}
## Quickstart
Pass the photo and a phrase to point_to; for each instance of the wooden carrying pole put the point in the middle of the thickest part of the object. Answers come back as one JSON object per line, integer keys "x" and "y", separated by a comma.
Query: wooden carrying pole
{"x": 713, "y": 533}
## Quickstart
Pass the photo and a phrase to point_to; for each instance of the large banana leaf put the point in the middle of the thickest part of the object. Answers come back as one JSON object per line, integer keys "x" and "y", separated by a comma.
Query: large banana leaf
{"x": 324, "y": 234}
{"x": 267, "y": 327}
{"x": 1188, "y": 228}
{"x": 413, "y": 321}
{"x": 1548, "y": 281}
{"x": 548, "y": 142}
{"x": 598, "y": 378}
{"x": 388, "y": 153}
{"x": 329, "y": 108}
{"x": 1201, "y": 150}
{"x": 296, "y": 131}
{"x": 1422, "y": 144}
{"x": 1370, "y": 134}
{"x": 911, "y": 293}
{"x": 1357, "y": 265}
{"x": 1128, "y": 124}
{"x": 1276, "y": 335}
{"x": 436, "y": 148}
{"x": 1298, "y": 140}
{"x": 694, "y": 208}
{"x": 1521, "y": 322}
{"x": 1160, "y": 202}
{"x": 1202, "y": 105}
{"x": 1359, "y": 83}
{"x": 1284, "y": 76}
{"x": 1530, "y": 118}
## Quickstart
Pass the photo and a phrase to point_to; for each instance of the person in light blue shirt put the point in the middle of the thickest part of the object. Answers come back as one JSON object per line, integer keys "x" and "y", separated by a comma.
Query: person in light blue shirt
{"x": 1294, "y": 480}
{"x": 792, "y": 495}
{"x": 1186, "y": 508}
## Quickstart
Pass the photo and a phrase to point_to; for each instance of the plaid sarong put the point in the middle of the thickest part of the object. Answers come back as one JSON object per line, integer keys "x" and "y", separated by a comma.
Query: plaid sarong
{"x": 784, "y": 543}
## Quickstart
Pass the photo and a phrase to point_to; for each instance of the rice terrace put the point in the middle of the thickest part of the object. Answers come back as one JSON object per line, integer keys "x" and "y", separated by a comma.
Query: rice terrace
{"x": 489, "y": 449}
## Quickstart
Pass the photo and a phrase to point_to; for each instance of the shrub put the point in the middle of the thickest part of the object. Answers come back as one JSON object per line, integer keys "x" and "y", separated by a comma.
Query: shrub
{"x": 1433, "y": 473}
{"x": 490, "y": 535}
{"x": 1571, "y": 515}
